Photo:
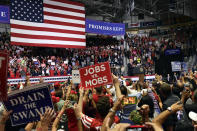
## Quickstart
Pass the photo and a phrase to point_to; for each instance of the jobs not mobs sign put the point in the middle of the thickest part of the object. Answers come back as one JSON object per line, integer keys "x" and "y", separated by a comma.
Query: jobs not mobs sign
{"x": 96, "y": 75}
{"x": 3, "y": 75}
{"x": 28, "y": 103}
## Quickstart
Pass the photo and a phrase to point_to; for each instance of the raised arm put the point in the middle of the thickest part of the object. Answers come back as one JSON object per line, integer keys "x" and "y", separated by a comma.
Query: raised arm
{"x": 185, "y": 95}
{"x": 78, "y": 115}
{"x": 87, "y": 121}
{"x": 118, "y": 127}
{"x": 63, "y": 92}
{"x": 29, "y": 126}
{"x": 116, "y": 83}
{"x": 159, "y": 120}
{"x": 4, "y": 118}
{"x": 110, "y": 116}
{"x": 68, "y": 91}
{"x": 56, "y": 122}
{"x": 85, "y": 98}
{"x": 80, "y": 103}
{"x": 45, "y": 120}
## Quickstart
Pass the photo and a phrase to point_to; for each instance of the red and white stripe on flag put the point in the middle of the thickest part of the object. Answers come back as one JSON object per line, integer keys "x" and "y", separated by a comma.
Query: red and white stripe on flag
{"x": 63, "y": 26}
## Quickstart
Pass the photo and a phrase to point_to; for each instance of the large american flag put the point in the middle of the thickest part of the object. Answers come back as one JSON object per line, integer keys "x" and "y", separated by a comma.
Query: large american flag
{"x": 48, "y": 23}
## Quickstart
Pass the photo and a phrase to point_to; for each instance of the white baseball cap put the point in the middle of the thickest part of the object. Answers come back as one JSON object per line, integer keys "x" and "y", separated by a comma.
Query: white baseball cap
{"x": 193, "y": 116}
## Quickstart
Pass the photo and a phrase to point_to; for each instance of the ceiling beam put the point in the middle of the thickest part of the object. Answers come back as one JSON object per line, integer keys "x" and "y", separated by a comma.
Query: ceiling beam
{"x": 155, "y": 2}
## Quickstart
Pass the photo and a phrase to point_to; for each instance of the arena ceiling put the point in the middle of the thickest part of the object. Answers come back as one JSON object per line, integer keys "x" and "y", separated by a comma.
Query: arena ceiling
{"x": 117, "y": 10}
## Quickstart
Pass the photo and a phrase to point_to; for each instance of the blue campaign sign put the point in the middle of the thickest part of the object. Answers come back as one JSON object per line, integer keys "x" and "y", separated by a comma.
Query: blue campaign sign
{"x": 28, "y": 103}
{"x": 105, "y": 28}
{"x": 184, "y": 66}
{"x": 4, "y": 14}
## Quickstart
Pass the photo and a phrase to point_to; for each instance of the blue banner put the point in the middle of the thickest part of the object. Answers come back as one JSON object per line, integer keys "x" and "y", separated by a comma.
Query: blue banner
{"x": 4, "y": 14}
{"x": 172, "y": 52}
{"x": 105, "y": 28}
{"x": 27, "y": 103}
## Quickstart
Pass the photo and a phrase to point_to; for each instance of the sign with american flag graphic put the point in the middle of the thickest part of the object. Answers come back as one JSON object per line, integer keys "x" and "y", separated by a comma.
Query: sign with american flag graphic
{"x": 48, "y": 23}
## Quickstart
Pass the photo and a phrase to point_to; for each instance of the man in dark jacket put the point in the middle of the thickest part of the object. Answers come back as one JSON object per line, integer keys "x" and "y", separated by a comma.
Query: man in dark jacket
{"x": 169, "y": 99}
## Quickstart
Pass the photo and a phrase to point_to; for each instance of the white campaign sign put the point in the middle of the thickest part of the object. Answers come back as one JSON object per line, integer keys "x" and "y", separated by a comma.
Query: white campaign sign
{"x": 76, "y": 77}
{"x": 52, "y": 63}
{"x": 176, "y": 66}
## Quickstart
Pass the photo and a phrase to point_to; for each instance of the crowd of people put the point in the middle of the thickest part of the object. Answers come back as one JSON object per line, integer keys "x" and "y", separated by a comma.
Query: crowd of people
{"x": 185, "y": 37}
{"x": 159, "y": 106}
{"x": 32, "y": 61}
{"x": 150, "y": 51}
{"x": 144, "y": 51}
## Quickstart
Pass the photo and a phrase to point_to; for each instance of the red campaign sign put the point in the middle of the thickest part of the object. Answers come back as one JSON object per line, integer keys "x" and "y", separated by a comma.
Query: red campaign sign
{"x": 3, "y": 75}
{"x": 96, "y": 75}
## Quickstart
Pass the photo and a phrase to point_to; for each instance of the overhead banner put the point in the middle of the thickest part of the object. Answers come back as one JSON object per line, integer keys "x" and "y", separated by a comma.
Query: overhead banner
{"x": 150, "y": 23}
{"x": 96, "y": 75}
{"x": 4, "y": 14}
{"x": 27, "y": 103}
{"x": 105, "y": 28}
{"x": 3, "y": 75}
{"x": 176, "y": 66}
{"x": 173, "y": 52}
